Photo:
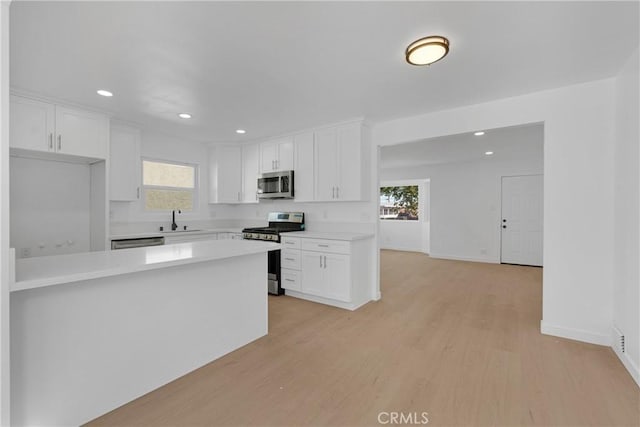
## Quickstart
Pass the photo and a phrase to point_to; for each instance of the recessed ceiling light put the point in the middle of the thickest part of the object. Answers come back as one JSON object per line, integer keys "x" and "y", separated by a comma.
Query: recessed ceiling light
{"x": 488, "y": 153}
{"x": 184, "y": 115}
{"x": 241, "y": 131}
{"x": 427, "y": 50}
{"x": 103, "y": 92}
{"x": 479, "y": 133}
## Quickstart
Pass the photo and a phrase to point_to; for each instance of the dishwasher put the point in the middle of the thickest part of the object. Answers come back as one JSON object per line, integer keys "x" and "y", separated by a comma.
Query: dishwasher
{"x": 137, "y": 242}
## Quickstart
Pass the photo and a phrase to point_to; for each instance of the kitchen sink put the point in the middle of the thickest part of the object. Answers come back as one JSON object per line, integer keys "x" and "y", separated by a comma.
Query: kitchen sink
{"x": 179, "y": 231}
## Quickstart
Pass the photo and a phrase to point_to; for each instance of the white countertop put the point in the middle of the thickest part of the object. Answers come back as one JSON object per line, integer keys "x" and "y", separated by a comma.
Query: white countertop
{"x": 328, "y": 235}
{"x": 174, "y": 233}
{"x": 58, "y": 269}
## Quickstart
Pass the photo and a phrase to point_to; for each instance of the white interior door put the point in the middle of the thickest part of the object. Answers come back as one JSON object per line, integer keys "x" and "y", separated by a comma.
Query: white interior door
{"x": 522, "y": 198}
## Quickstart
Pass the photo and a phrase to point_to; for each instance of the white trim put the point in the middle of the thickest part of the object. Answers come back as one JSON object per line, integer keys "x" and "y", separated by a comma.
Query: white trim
{"x": 463, "y": 258}
{"x": 631, "y": 367}
{"x": 5, "y": 252}
{"x": 403, "y": 249}
{"x": 340, "y": 304}
{"x": 575, "y": 334}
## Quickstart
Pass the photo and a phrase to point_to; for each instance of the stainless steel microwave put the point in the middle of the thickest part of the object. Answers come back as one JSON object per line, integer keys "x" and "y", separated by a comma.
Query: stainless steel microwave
{"x": 276, "y": 185}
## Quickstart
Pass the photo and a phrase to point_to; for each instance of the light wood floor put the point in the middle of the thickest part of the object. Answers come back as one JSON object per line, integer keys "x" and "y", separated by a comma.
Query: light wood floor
{"x": 458, "y": 340}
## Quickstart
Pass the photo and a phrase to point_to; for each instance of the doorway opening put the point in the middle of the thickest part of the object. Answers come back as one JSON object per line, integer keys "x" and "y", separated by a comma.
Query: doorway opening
{"x": 465, "y": 174}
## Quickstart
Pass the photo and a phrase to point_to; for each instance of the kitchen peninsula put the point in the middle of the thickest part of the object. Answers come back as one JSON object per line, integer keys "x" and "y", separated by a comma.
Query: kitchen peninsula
{"x": 93, "y": 331}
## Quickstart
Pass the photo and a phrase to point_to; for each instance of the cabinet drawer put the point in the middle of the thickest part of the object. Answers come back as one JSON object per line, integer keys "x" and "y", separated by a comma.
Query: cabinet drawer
{"x": 330, "y": 246}
{"x": 290, "y": 258}
{"x": 290, "y": 279}
{"x": 290, "y": 242}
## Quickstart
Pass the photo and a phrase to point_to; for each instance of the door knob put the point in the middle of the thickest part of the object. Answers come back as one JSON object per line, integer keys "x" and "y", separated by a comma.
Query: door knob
{"x": 504, "y": 226}
{"x": 504, "y": 220}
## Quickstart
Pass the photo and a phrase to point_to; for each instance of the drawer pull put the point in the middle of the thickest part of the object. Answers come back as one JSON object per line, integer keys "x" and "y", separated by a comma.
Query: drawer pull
{"x": 290, "y": 259}
{"x": 323, "y": 246}
{"x": 289, "y": 243}
{"x": 289, "y": 280}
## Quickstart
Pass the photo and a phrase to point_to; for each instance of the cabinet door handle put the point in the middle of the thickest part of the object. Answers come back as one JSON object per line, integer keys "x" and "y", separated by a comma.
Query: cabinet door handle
{"x": 333, "y": 192}
{"x": 50, "y": 141}
{"x": 337, "y": 192}
{"x": 277, "y": 164}
{"x": 325, "y": 261}
{"x": 320, "y": 261}
{"x": 138, "y": 192}
{"x": 59, "y": 142}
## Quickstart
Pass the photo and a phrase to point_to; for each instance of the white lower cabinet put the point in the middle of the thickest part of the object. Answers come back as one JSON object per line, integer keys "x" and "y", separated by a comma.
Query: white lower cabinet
{"x": 291, "y": 280}
{"x": 326, "y": 275}
{"x": 336, "y": 276}
{"x": 331, "y": 272}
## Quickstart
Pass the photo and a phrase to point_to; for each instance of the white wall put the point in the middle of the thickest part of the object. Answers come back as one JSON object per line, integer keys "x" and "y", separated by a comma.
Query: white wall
{"x": 4, "y": 215}
{"x": 626, "y": 288}
{"x": 45, "y": 212}
{"x": 578, "y": 168}
{"x": 465, "y": 199}
{"x": 164, "y": 147}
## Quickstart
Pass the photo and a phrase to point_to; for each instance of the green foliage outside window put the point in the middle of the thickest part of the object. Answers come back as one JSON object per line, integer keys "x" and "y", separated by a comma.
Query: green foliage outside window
{"x": 400, "y": 202}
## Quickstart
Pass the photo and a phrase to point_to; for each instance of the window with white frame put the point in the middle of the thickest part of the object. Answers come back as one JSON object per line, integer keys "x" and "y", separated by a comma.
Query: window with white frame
{"x": 168, "y": 185}
{"x": 399, "y": 202}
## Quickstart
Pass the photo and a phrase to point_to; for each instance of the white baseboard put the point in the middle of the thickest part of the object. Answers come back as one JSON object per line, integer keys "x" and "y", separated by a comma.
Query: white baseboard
{"x": 401, "y": 248}
{"x": 462, "y": 258}
{"x": 631, "y": 367}
{"x": 575, "y": 334}
{"x": 345, "y": 305}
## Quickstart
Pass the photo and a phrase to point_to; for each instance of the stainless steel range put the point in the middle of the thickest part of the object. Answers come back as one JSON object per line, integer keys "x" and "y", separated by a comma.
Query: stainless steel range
{"x": 279, "y": 222}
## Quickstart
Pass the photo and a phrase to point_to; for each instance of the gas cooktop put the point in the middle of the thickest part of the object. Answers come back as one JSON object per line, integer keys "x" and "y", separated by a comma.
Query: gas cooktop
{"x": 279, "y": 222}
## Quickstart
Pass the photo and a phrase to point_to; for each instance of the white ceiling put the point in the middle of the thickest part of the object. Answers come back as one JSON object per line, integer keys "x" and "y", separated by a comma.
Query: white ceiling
{"x": 276, "y": 67}
{"x": 508, "y": 143}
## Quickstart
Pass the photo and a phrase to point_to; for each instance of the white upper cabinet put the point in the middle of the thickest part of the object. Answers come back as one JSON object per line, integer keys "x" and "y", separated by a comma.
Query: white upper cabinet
{"x": 339, "y": 155}
{"x": 233, "y": 174}
{"x": 41, "y": 126}
{"x": 303, "y": 178}
{"x": 276, "y": 155}
{"x": 250, "y": 171}
{"x": 326, "y": 167}
{"x": 124, "y": 165}
{"x": 229, "y": 159}
{"x": 81, "y": 133}
{"x": 32, "y": 124}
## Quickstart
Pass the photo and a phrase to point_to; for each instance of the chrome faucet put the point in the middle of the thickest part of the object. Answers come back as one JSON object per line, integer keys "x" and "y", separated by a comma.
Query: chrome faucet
{"x": 174, "y": 226}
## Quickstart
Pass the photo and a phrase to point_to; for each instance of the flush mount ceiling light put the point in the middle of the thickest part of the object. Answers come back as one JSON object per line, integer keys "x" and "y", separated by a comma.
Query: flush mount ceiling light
{"x": 479, "y": 133}
{"x": 184, "y": 115}
{"x": 103, "y": 92}
{"x": 488, "y": 153}
{"x": 427, "y": 50}
{"x": 241, "y": 131}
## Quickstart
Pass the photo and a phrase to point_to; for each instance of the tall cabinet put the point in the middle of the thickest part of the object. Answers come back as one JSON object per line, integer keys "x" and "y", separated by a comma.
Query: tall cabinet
{"x": 339, "y": 166}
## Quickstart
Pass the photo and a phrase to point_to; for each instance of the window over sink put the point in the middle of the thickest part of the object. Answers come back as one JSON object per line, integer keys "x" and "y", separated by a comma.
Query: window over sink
{"x": 168, "y": 185}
